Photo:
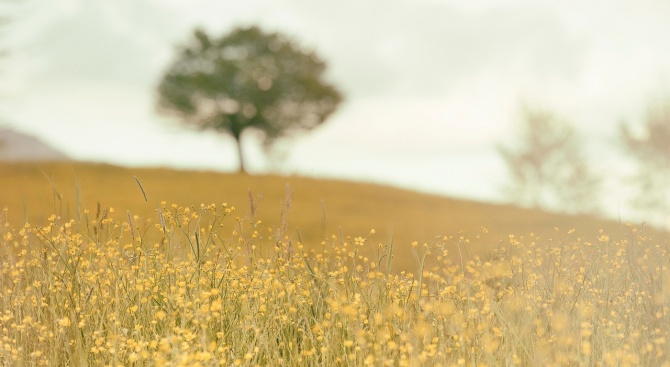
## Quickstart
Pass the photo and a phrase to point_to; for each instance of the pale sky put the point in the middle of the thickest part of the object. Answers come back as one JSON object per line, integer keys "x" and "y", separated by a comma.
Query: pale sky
{"x": 431, "y": 86}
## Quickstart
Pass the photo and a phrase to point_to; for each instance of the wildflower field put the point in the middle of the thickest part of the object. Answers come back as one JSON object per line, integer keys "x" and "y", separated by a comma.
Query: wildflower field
{"x": 216, "y": 284}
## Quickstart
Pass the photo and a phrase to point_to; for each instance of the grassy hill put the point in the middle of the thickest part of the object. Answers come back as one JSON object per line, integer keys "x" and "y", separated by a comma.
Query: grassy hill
{"x": 318, "y": 209}
{"x": 149, "y": 284}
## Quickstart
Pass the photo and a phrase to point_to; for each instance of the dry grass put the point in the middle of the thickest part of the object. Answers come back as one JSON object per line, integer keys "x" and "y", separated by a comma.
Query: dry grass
{"x": 319, "y": 208}
{"x": 202, "y": 286}
{"x": 92, "y": 274}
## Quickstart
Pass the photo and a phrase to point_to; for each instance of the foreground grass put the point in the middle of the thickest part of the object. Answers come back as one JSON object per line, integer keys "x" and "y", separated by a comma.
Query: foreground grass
{"x": 181, "y": 288}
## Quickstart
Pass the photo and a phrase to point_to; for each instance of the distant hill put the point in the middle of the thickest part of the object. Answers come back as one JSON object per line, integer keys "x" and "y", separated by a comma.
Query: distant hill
{"x": 15, "y": 146}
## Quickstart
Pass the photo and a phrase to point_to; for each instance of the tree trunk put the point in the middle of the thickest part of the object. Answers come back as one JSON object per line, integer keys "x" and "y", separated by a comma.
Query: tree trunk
{"x": 240, "y": 153}
{"x": 236, "y": 130}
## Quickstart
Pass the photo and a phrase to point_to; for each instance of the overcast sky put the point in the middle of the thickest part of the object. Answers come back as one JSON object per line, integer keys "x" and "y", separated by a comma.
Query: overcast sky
{"x": 431, "y": 86}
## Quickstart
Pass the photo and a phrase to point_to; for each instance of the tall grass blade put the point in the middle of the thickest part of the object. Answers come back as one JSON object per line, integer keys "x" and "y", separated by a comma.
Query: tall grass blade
{"x": 144, "y": 193}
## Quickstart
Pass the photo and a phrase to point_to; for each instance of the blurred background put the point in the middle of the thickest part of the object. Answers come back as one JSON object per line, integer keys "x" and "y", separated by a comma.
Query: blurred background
{"x": 434, "y": 91}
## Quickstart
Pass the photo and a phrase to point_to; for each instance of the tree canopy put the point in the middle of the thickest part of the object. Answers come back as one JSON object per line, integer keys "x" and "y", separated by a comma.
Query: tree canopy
{"x": 247, "y": 79}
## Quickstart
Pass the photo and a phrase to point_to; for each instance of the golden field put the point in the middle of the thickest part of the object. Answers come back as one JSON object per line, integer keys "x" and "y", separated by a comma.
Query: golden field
{"x": 233, "y": 270}
{"x": 318, "y": 208}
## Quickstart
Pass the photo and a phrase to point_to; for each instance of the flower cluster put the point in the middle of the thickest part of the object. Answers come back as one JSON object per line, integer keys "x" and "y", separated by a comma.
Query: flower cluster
{"x": 195, "y": 287}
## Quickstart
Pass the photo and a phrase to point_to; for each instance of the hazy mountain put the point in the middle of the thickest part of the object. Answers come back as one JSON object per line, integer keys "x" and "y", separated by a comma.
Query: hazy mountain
{"x": 15, "y": 146}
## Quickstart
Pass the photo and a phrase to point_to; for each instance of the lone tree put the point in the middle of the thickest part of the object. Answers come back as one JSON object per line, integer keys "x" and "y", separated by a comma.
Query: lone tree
{"x": 247, "y": 79}
{"x": 649, "y": 146}
{"x": 548, "y": 168}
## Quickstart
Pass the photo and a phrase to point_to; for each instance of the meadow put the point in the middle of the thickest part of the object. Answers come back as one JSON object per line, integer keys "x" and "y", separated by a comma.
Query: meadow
{"x": 110, "y": 266}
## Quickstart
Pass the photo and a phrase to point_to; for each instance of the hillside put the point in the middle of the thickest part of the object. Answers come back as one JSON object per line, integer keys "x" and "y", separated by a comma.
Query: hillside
{"x": 16, "y": 146}
{"x": 318, "y": 210}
